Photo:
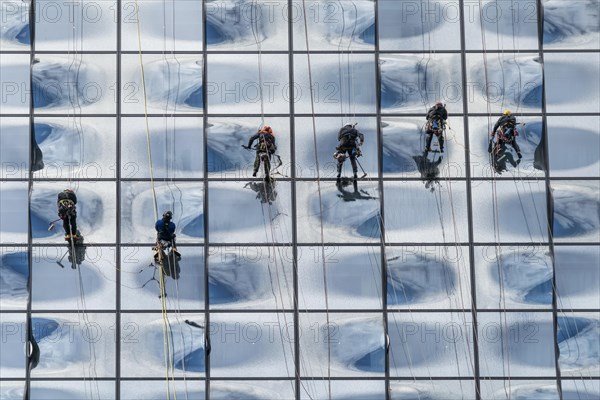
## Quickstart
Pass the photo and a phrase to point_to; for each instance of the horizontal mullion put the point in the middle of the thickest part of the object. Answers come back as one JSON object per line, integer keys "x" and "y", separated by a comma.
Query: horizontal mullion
{"x": 314, "y": 244}
{"x": 200, "y": 114}
{"x": 200, "y": 52}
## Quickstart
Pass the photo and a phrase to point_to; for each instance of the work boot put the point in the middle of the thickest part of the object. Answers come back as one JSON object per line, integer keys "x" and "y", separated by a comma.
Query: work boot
{"x": 254, "y": 173}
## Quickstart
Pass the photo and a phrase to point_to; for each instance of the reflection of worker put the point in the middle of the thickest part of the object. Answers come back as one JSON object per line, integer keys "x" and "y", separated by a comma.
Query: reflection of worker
{"x": 429, "y": 170}
{"x": 264, "y": 191}
{"x": 354, "y": 195}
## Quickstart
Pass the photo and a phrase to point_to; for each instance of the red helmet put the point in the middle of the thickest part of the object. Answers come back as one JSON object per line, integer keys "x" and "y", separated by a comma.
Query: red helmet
{"x": 439, "y": 104}
{"x": 267, "y": 129}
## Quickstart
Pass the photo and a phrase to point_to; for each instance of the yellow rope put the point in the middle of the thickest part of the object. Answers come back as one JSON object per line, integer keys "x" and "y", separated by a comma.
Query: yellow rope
{"x": 166, "y": 338}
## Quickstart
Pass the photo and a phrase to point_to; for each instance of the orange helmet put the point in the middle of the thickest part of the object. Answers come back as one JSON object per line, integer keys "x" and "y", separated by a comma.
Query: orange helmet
{"x": 267, "y": 129}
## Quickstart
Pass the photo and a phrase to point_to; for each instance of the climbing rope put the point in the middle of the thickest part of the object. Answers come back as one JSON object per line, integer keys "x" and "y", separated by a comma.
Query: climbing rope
{"x": 321, "y": 230}
{"x": 496, "y": 220}
{"x": 166, "y": 325}
{"x": 270, "y": 233}
{"x": 170, "y": 172}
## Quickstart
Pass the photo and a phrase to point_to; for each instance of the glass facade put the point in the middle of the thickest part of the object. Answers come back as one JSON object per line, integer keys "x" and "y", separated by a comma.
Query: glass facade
{"x": 434, "y": 276}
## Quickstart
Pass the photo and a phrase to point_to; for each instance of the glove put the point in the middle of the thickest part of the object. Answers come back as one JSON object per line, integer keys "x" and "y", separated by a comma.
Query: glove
{"x": 490, "y": 147}
{"x": 519, "y": 155}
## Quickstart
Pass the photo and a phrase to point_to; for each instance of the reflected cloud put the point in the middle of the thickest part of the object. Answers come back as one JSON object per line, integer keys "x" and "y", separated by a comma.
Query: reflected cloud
{"x": 414, "y": 279}
{"x": 526, "y": 275}
{"x": 361, "y": 216}
{"x": 526, "y": 71}
{"x": 14, "y": 272}
{"x": 175, "y": 83}
{"x": 224, "y": 151}
{"x": 15, "y": 23}
{"x": 401, "y": 142}
{"x": 570, "y": 20}
{"x": 359, "y": 344}
{"x": 60, "y": 82}
{"x": 576, "y": 211}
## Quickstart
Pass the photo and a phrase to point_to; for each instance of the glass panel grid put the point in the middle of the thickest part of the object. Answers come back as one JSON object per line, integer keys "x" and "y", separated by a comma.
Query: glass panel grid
{"x": 498, "y": 249}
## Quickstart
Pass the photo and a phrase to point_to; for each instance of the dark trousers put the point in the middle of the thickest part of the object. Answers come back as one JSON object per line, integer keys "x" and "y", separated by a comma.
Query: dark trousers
{"x": 515, "y": 146}
{"x": 69, "y": 219}
{"x": 440, "y": 138}
{"x": 351, "y": 151}
{"x": 257, "y": 160}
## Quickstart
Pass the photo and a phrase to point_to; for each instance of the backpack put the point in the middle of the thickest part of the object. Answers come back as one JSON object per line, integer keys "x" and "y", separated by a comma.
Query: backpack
{"x": 268, "y": 139}
{"x": 348, "y": 135}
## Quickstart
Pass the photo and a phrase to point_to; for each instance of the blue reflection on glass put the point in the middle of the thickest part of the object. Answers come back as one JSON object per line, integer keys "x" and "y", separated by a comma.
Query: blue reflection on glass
{"x": 540, "y": 294}
{"x": 195, "y": 227}
{"x": 213, "y": 35}
{"x": 220, "y": 294}
{"x": 569, "y": 327}
{"x": 368, "y": 35}
{"x": 193, "y": 361}
{"x": 372, "y": 362}
{"x": 43, "y": 327}
{"x": 24, "y": 36}
{"x": 370, "y": 228}
{"x": 195, "y": 99}
{"x": 39, "y": 226}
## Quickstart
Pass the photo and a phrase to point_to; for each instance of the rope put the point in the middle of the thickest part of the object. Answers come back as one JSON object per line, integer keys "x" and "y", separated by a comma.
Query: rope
{"x": 275, "y": 249}
{"x": 495, "y": 207}
{"x": 255, "y": 33}
{"x": 322, "y": 234}
{"x": 173, "y": 262}
{"x": 78, "y": 126}
{"x": 166, "y": 335}
{"x": 145, "y": 102}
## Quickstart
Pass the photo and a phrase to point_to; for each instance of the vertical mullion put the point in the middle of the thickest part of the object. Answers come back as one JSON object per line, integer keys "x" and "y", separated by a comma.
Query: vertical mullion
{"x": 473, "y": 288}
{"x": 29, "y": 193}
{"x": 205, "y": 199}
{"x": 382, "y": 246}
{"x": 118, "y": 211}
{"x": 292, "y": 136}
{"x": 549, "y": 201}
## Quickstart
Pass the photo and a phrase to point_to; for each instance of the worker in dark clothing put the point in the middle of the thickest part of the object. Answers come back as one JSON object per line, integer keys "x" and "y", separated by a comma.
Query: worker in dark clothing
{"x": 350, "y": 140}
{"x": 436, "y": 123}
{"x": 67, "y": 211}
{"x": 505, "y": 131}
{"x": 165, "y": 228}
{"x": 266, "y": 144}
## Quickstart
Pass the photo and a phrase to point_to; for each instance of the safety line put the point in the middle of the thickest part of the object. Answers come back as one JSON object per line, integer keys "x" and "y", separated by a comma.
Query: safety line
{"x": 322, "y": 234}
{"x": 166, "y": 336}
